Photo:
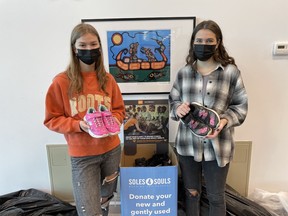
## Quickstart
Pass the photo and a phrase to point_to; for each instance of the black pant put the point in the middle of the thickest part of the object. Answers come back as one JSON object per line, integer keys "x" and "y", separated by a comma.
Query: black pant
{"x": 215, "y": 180}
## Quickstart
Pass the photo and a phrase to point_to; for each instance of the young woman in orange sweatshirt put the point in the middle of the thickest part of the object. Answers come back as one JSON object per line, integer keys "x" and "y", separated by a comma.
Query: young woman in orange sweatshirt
{"x": 94, "y": 146}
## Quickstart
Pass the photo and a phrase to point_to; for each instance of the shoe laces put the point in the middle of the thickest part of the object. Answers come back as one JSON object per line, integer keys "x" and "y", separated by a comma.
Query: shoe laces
{"x": 194, "y": 124}
{"x": 198, "y": 127}
{"x": 110, "y": 120}
{"x": 203, "y": 113}
{"x": 98, "y": 121}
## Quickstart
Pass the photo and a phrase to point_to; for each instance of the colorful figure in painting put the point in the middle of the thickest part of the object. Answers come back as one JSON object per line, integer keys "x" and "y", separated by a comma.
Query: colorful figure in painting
{"x": 126, "y": 76}
{"x": 161, "y": 47}
{"x": 154, "y": 75}
{"x": 125, "y": 64}
{"x": 149, "y": 54}
{"x": 133, "y": 52}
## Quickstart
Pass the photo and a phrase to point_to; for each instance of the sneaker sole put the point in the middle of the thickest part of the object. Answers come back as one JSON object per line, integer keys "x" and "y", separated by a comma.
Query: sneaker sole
{"x": 96, "y": 136}
{"x": 115, "y": 133}
{"x": 201, "y": 136}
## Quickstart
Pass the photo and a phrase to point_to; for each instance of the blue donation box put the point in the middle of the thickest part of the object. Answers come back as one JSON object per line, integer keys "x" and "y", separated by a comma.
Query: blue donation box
{"x": 148, "y": 191}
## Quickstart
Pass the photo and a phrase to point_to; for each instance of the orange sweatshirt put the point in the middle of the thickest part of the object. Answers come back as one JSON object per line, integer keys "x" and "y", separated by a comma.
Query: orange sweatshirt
{"x": 63, "y": 115}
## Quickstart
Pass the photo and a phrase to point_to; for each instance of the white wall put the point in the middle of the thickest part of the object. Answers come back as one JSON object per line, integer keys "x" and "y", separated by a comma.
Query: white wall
{"x": 34, "y": 41}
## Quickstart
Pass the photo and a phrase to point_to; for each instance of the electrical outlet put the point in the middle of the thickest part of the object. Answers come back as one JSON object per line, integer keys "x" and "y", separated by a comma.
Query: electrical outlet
{"x": 280, "y": 48}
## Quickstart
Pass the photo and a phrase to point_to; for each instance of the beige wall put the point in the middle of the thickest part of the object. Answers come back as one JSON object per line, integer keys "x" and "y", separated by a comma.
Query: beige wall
{"x": 34, "y": 47}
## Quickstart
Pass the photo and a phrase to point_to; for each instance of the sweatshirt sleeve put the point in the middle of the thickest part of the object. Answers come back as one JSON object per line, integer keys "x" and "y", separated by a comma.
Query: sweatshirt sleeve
{"x": 117, "y": 104}
{"x": 57, "y": 116}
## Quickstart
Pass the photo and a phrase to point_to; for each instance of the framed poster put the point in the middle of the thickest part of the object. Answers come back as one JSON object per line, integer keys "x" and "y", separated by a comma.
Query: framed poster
{"x": 144, "y": 54}
{"x": 146, "y": 122}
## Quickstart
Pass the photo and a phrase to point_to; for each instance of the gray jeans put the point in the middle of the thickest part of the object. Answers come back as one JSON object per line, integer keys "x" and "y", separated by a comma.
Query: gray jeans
{"x": 215, "y": 179}
{"x": 94, "y": 182}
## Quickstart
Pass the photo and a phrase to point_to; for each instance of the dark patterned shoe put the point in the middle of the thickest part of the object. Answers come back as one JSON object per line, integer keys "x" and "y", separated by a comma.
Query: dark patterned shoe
{"x": 199, "y": 129}
{"x": 158, "y": 160}
{"x": 140, "y": 162}
{"x": 202, "y": 114}
{"x": 205, "y": 115}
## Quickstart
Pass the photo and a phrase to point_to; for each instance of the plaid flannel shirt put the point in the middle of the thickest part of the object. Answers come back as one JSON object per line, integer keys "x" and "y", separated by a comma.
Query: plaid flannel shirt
{"x": 226, "y": 94}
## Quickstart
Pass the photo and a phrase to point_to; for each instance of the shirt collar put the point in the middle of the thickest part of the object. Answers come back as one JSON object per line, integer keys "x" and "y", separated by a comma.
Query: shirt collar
{"x": 217, "y": 66}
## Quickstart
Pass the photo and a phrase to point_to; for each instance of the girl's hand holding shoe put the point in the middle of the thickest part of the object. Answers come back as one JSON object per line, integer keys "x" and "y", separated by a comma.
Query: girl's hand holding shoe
{"x": 84, "y": 126}
{"x": 223, "y": 123}
{"x": 183, "y": 109}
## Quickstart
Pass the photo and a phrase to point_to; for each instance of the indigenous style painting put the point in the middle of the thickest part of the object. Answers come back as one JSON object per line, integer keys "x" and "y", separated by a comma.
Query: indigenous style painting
{"x": 139, "y": 55}
{"x": 144, "y": 54}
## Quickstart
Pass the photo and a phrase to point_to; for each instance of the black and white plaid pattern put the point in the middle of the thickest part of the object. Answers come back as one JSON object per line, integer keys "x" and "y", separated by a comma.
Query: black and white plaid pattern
{"x": 226, "y": 94}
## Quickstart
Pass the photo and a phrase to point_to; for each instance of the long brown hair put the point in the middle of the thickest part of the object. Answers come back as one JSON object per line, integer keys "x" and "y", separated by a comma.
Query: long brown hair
{"x": 220, "y": 54}
{"x": 74, "y": 70}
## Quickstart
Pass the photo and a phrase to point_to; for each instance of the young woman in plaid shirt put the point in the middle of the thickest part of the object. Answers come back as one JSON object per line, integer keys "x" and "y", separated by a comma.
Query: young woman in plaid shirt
{"x": 212, "y": 79}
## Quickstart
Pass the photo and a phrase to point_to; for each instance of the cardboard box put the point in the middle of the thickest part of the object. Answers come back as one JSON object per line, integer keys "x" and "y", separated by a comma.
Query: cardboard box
{"x": 148, "y": 190}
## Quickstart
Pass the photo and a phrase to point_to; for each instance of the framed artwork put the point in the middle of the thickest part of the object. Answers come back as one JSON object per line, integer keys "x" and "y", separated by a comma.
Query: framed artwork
{"x": 144, "y": 54}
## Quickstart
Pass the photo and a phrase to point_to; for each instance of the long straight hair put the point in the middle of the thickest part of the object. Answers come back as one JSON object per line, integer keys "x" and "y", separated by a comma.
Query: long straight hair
{"x": 74, "y": 70}
{"x": 220, "y": 54}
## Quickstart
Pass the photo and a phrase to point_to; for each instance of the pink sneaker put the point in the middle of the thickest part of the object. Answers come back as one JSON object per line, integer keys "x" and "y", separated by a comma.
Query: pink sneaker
{"x": 94, "y": 119}
{"x": 111, "y": 125}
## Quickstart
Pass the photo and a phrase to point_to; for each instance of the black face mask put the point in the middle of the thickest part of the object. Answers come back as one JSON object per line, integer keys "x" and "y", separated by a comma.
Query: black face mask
{"x": 204, "y": 52}
{"x": 88, "y": 56}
